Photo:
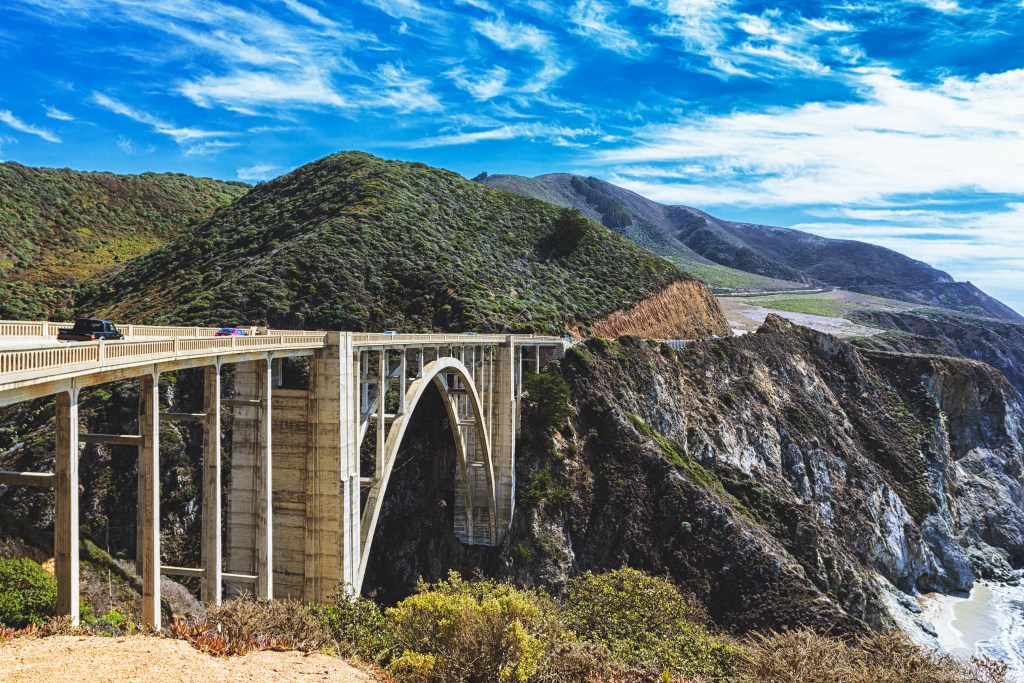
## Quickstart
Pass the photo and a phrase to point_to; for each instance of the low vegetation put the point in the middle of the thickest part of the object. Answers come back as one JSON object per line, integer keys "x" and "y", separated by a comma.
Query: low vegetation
{"x": 623, "y": 626}
{"x": 28, "y": 594}
{"x": 61, "y": 228}
{"x": 355, "y": 242}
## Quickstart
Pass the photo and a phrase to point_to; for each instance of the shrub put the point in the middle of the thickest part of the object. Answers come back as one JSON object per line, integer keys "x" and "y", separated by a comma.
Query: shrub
{"x": 476, "y": 630}
{"x": 643, "y": 620}
{"x": 545, "y": 401}
{"x": 412, "y": 667}
{"x": 28, "y": 595}
{"x": 880, "y": 658}
{"x": 289, "y": 623}
{"x": 356, "y": 624}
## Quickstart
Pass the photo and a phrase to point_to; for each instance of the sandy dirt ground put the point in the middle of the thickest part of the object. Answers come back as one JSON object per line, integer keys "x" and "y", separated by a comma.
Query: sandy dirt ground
{"x": 745, "y": 317}
{"x": 67, "y": 659}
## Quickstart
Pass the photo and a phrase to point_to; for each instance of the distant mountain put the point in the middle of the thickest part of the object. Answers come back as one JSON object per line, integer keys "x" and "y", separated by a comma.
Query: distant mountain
{"x": 60, "y": 228}
{"x": 354, "y": 242}
{"x": 718, "y": 251}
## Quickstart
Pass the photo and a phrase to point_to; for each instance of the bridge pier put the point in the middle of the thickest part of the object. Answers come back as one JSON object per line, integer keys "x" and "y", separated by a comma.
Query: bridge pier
{"x": 212, "y": 561}
{"x": 503, "y": 432}
{"x": 331, "y": 543}
{"x": 65, "y": 525}
{"x": 149, "y": 498}
{"x": 250, "y": 529}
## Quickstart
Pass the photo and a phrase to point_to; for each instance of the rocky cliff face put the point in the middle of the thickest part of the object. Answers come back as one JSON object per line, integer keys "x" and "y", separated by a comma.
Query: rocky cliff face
{"x": 782, "y": 478}
{"x": 999, "y": 344}
{"x": 686, "y": 309}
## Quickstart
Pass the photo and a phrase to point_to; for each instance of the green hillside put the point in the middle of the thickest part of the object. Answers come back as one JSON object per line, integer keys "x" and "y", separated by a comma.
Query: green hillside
{"x": 748, "y": 257}
{"x": 359, "y": 243}
{"x": 60, "y": 228}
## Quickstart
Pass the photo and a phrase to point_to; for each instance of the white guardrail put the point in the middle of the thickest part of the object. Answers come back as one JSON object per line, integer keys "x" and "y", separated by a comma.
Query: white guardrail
{"x": 167, "y": 343}
{"x": 100, "y": 354}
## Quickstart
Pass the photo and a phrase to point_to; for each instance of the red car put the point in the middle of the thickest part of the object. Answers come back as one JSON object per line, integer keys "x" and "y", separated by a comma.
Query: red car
{"x": 230, "y": 332}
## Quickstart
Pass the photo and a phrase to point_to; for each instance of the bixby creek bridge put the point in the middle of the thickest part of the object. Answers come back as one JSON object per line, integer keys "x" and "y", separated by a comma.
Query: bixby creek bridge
{"x": 300, "y": 509}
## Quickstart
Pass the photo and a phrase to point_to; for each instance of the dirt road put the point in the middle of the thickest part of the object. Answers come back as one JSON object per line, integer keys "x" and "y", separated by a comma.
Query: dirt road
{"x": 67, "y": 659}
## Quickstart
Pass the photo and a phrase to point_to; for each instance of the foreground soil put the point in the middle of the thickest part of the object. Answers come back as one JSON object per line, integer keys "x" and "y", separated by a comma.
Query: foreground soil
{"x": 151, "y": 658}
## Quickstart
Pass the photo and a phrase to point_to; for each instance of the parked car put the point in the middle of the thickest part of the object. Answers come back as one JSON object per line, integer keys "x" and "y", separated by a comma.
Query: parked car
{"x": 89, "y": 329}
{"x": 230, "y": 332}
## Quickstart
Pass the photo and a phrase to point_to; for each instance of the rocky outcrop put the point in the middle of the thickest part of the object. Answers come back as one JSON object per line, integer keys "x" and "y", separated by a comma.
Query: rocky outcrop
{"x": 686, "y": 309}
{"x": 999, "y": 344}
{"x": 782, "y": 477}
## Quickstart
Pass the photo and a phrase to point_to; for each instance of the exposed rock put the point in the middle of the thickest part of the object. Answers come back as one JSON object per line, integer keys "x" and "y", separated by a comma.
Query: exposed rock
{"x": 686, "y": 309}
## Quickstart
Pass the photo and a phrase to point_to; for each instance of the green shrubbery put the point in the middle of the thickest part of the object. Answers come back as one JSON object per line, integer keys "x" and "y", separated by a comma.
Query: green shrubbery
{"x": 475, "y": 631}
{"x": 545, "y": 401}
{"x": 457, "y": 630}
{"x": 28, "y": 595}
{"x": 644, "y": 621}
{"x": 356, "y": 624}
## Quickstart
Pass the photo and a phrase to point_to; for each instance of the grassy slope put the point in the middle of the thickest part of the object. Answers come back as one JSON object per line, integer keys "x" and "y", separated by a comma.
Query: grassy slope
{"x": 60, "y": 228}
{"x": 834, "y": 304}
{"x": 355, "y": 242}
{"x": 557, "y": 189}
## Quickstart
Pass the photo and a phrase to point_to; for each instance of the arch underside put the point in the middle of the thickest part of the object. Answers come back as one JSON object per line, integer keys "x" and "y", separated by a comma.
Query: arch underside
{"x": 473, "y": 452}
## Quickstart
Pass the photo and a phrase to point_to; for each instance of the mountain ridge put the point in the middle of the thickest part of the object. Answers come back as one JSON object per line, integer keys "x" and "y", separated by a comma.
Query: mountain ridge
{"x": 703, "y": 244}
{"x": 356, "y": 242}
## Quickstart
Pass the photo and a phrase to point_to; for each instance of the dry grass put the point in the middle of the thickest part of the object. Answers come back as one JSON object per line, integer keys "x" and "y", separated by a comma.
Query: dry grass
{"x": 240, "y": 626}
{"x": 805, "y": 657}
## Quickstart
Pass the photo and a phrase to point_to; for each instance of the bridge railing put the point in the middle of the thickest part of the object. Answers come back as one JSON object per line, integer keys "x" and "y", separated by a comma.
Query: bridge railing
{"x": 46, "y": 328}
{"x": 29, "y": 328}
{"x": 71, "y": 357}
{"x": 380, "y": 339}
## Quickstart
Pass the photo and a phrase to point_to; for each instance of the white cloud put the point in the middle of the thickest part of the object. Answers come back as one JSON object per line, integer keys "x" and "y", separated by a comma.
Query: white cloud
{"x": 256, "y": 172}
{"x": 253, "y": 60}
{"x": 901, "y": 138}
{"x": 208, "y": 148}
{"x": 246, "y": 91}
{"x": 54, "y": 113}
{"x": 129, "y": 147}
{"x": 738, "y": 44}
{"x": 482, "y": 85}
{"x": 516, "y": 37}
{"x": 405, "y": 9}
{"x": 530, "y": 131}
{"x": 17, "y": 124}
{"x": 592, "y": 19}
{"x": 944, "y": 6}
{"x": 479, "y": 4}
{"x": 395, "y": 88}
{"x": 178, "y": 134}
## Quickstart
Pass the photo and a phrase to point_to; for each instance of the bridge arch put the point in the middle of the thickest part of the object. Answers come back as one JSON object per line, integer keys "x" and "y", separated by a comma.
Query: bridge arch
{"x": 434, "y": 373}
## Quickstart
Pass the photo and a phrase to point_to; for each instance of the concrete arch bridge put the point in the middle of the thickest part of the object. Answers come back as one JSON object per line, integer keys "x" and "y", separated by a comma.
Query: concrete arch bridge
{"x": 294, "y": 521}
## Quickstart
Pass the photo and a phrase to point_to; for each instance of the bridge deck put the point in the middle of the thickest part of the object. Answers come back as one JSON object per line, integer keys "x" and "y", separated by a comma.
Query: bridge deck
{"x": 32, "y": 364}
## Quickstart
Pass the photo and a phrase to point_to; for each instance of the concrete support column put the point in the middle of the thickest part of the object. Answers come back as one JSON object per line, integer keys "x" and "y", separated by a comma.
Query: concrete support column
{"x": 264, "y": 483}
{"x": 65, "y": 524}
{"x": 250, "y": 533}
{"x": 211, "y": 538}
{"x": 149, "y": 498}
{"x": 503, "y": 436}
{"x": 351, "y": 542}
{"x": 324, "y": 555}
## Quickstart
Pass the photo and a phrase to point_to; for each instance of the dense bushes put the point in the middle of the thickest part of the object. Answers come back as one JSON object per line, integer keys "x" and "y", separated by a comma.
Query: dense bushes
{"x": 28, "y": 594}
{"x": 459, "y": 630}
{"x": 644, "y": 621}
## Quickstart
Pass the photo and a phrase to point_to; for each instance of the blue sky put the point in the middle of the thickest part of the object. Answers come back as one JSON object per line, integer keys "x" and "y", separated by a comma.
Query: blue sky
{"x": 898, "y": 122}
